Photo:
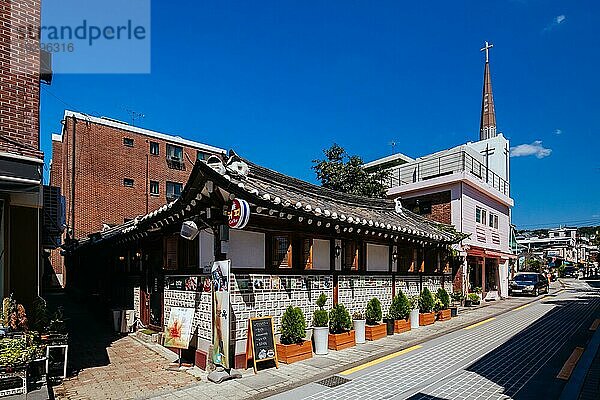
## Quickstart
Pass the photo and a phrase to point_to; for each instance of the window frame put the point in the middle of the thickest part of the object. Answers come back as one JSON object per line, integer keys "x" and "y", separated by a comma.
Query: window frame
{"x": 126, "y": 182}
{"x": 128, "y": 142}
{"x": 155, "y": 145}
{"x": 174, "y": 184}
{"x": 171, "y": 155}
{"x": 154, "y": 184}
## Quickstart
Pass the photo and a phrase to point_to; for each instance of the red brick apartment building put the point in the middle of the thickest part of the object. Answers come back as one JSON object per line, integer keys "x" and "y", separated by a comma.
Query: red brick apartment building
{"x": 116, "y": 172}
{"x": 21, "y": 161}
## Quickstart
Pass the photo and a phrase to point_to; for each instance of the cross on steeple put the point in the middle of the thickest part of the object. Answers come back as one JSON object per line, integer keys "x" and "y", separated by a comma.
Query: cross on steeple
{"x": 487, "y": 48}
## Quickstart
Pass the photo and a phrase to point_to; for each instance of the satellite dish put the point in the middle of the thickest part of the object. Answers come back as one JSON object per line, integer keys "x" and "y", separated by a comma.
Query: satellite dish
{"x": 189, "y": 230}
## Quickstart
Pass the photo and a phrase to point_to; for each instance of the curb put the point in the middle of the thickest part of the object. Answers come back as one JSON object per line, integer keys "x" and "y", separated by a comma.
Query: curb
{"x": 573, "y": 388}
{"x": 318, "y": 377}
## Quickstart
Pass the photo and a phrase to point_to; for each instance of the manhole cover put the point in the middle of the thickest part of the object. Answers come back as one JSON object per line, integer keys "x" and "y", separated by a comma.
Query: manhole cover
{"x": 333, "y": 381}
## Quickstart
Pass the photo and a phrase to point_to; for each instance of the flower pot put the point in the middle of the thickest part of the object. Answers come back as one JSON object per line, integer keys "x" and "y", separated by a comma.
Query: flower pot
{"x": 402, "y": 325}
{"x": 359, "y": 329}
{"x": 339, "y": 341}
{"x": 389, "y": 325}
{"x": 290, "y": 353}
{"x": 374, "y": 332}
{"x": 320, "y": 337}
{"x": 467, "y": 303}
{"x": 414, "y": 318}
{"x": 454, "y": 312}
{"x": 444, "y": 315}
{"x": 426, "y": 318}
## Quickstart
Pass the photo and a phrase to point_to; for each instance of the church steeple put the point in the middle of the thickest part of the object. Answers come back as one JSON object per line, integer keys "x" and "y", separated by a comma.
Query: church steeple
{"x": 487, "y": 127}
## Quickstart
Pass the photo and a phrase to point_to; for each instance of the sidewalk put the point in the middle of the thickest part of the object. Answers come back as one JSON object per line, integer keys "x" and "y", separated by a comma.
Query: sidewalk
{"x": 272, "y": 381}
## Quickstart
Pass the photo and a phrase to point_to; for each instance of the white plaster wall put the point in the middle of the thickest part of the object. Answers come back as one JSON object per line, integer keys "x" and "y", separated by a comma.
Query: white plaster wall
{"x": 246, "y": 249}
{"x": 378, "y": 257}
{"x": 321, "y": 254}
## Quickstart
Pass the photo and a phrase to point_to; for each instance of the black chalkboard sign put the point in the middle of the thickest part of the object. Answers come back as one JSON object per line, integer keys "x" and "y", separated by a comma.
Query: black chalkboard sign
{"x": 261, "y": 341}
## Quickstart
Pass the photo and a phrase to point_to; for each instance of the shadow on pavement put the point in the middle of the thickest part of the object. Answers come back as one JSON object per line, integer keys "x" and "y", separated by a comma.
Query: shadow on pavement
{"x": 90, "y": 331}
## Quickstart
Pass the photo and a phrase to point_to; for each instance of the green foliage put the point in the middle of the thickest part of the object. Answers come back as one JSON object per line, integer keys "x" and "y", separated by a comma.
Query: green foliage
{"x": 437, "y": 304}
{"x": 20, "y": 350}
{"x": 426, "y": 301}
{"x": 477, "y": 289}
{"x": 320, "y": 318}
{"x": 344, "y": 173}
{"x": 400, "y": 308}
{"x": 473, "y": 297}
{"x": 414, "y": 302}
{"x": 458, "y": 297}
{"x": 321, "y": 300}
{"x": 339, "y": 319}
{"x": 444, "y": 297}
{"x": 293, "y": 326}
{"x": 358, "y": 316}
{"x": 373, "y": 311}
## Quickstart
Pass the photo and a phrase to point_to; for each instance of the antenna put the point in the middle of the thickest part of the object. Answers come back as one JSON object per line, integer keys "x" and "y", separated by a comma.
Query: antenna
{"x": 134, "y": 116}
{"x": 393, "y": 144}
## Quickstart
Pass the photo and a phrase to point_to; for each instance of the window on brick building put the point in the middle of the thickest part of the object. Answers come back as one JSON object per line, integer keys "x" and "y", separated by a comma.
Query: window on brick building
{"x": 200, "y": 155}
{"x": 128, "y": 142}
{"x": 174, "y": 153}
{"x": 173, "y": 190}
{"x": 154, "y": 187}
{"x": 128, "y": 182}
{"x": 154, "y": 148}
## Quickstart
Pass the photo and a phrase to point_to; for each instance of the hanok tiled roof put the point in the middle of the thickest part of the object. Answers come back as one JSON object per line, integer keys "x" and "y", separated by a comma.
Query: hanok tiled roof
{"x": 272, "y": 193}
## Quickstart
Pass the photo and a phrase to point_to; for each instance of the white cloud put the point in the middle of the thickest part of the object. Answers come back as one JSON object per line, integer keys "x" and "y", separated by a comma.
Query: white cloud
{"x": 534, "y": 149}
{"x": 556, "y": 21}
{"x": 558, "y": 131}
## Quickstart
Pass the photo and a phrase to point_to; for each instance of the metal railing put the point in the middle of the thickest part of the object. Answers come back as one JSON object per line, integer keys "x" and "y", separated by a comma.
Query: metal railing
{"x": 446, "y": 164}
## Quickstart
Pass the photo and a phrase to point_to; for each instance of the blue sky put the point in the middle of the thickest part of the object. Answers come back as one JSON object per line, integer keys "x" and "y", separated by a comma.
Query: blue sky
{"x": 279, "y": 81}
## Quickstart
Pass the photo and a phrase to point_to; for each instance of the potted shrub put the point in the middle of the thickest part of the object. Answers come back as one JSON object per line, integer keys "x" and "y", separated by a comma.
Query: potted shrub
{"x": 443, "y": 314}
{"x": 473, "y": 298}
{"x": 321, "y": 326}
{"x": 359, "y": 321}
{"x": 457, "y": 299}
{"x": 400, "y": 313}
{"x": 426, "y": 304}
{"x": 374, "y": 329}
{"x": 293, "y": 347}
{"x": 414, "y": 312}
{"x": 341, "y": 335}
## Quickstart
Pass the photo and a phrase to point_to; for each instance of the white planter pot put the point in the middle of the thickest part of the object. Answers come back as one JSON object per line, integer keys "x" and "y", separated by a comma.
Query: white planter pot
{"x": 321, "y": 338}
{"x": 414, "y": 318}
{"x": 359, "y": 330}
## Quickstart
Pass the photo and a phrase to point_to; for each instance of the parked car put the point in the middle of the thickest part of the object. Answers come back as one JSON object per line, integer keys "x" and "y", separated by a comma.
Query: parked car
{"x": 571, "y": 272}
{"x": 528, "y": 283}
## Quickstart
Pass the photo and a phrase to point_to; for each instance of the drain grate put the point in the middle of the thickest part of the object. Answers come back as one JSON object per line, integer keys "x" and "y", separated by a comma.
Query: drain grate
{"x": 333, "y": 381}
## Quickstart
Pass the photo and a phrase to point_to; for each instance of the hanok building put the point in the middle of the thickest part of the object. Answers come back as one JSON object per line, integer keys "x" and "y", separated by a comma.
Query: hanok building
{"x": 467, "y": 186}
{"x": 301, "y": 240}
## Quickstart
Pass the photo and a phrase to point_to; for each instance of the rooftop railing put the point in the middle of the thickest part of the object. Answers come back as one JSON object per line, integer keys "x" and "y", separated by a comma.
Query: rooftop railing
{"x": 442, "y": 165}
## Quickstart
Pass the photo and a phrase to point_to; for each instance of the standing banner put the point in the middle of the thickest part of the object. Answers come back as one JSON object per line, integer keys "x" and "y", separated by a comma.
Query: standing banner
{"x": 179, "y": 329}
{"x": 220, "y": 295}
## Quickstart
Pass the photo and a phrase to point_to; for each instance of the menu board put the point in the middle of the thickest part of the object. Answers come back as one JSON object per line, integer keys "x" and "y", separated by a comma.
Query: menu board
{"x": 261, "y": 341}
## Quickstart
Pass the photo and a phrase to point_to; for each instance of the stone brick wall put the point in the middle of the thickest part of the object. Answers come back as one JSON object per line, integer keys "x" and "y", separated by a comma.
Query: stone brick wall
{"x": 19, "y": 78}
{"x": 355, "y": 291}
{"x": 200, "y": 301}
{"x": 441, "y": 209}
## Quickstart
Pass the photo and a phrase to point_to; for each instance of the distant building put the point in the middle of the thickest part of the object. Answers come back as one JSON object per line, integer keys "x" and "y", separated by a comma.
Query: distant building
{"x": 21, "y": 161}
{"x": 467, "y": 186}
{"x": 115, "y": 172}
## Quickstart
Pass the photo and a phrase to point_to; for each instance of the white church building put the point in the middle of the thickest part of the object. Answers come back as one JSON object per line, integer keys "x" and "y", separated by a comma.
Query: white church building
{"x": 467, "y": 186}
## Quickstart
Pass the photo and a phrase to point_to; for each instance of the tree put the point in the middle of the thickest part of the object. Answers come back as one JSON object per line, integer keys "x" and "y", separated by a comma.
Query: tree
{"x": 344, "y": 173}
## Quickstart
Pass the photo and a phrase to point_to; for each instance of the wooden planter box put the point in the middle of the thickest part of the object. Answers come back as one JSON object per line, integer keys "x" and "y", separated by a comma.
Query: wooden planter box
{"x": 426, "y": 318}
{"x": 343, "y": 340}
{"x": 290, "y": 353}
{"x": 401, "y": 325}
{"x": 374, "y": 332}
{"x": 444, "y": 315}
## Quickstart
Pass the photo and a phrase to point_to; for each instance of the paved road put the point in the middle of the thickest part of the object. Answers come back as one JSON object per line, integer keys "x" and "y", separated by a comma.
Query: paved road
{"x": 513, "y": 356}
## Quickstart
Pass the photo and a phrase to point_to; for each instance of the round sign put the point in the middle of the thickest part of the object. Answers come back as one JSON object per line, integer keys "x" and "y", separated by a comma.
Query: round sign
{"x": 239, "y": 214}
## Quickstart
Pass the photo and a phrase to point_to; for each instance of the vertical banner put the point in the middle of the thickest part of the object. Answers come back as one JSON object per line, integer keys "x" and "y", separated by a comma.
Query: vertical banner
{"x": 220, "y": 295}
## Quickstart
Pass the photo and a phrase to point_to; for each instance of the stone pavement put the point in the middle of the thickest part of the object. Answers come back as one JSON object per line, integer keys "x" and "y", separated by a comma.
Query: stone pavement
{"x": 105, "y": 365}
{"x": 271, "y": 381}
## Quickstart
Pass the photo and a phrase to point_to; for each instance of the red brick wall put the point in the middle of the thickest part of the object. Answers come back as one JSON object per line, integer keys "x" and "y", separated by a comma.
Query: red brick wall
{"x": 19, "y": 78}
{"x": 102, "y": 161}
{"x": 441, "y": 210}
